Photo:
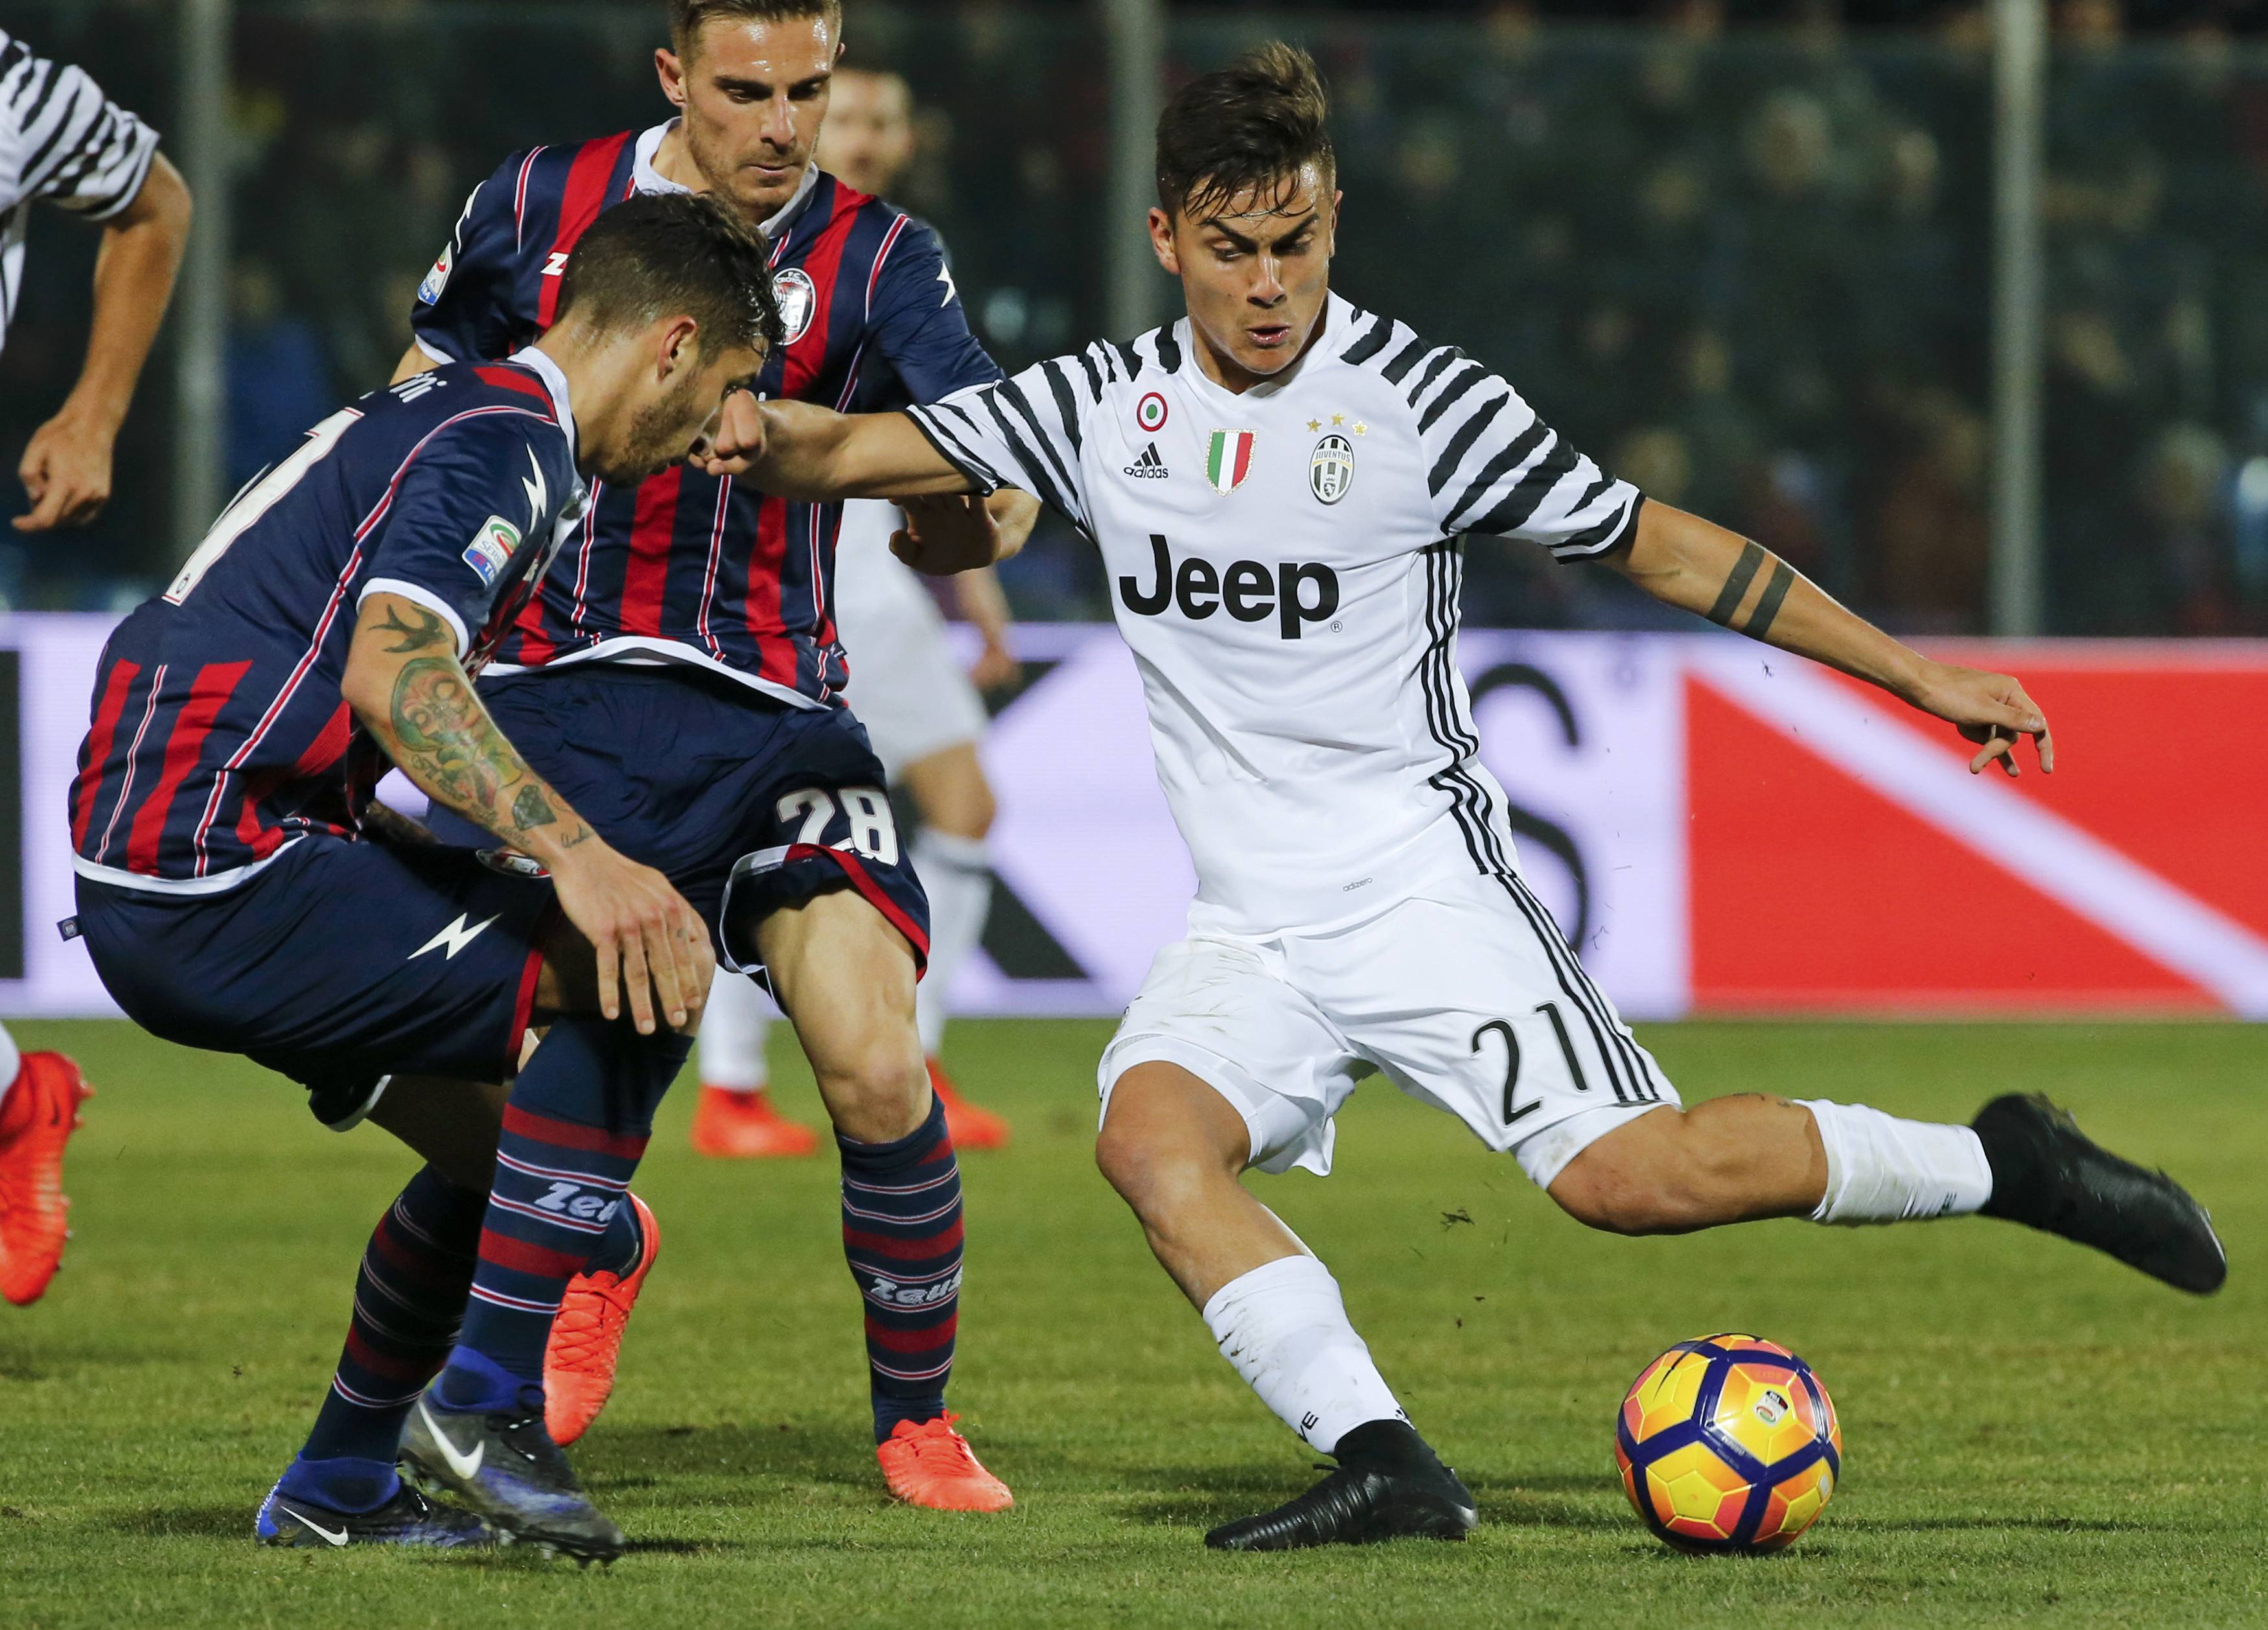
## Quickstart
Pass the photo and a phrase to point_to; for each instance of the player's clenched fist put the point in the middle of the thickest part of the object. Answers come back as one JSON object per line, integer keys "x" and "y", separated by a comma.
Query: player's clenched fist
{"x": 736, "y": 438}
{"x": 647, "y": 939}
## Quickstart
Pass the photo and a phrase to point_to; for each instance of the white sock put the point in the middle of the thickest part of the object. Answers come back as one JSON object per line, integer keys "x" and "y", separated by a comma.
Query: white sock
{"x": 733, "y": 1030}
{"x": 1285, "y": 1328}
{"x": 11, "y": 1062}
{"x": 1883, "y": 1170}
{"x": 957, "y": 875}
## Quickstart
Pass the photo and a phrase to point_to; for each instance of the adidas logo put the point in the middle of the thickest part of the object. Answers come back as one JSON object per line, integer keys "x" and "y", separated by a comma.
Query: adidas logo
{"x": 1149, "y": 467}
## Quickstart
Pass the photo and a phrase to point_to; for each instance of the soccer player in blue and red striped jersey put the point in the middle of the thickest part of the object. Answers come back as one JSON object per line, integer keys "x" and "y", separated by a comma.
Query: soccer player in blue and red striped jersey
{"x": 693, "y": 610}
{"x": 236, "y": 893}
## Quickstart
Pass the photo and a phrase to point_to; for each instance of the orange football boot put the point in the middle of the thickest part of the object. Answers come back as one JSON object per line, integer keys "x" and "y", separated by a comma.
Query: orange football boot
{"x": 971, "y": 1127}
{"x": 932, "y": 1465}
{"x": 37, "y": 1117}
{"x": 744, "y": 1126}
{"x": 586, "y": 1337}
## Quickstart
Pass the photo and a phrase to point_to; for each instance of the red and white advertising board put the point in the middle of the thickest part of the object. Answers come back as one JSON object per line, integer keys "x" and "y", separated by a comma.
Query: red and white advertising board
{"x": 1724, "y": 829}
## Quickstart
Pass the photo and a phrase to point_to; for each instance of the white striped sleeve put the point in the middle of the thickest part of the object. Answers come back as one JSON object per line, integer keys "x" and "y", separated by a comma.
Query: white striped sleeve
{"x": 61, "y": 139}
{"x": 1494, "y": 467}
{"x": 1027, "y": 432}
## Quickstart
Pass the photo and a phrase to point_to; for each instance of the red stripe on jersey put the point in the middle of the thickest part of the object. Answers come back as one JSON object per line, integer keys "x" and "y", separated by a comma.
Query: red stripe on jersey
{"x": 209, "y": 693}
{"x": 585, "y": 196}
{"x": 98, "y": 749}
{"x": 519, "y": 202}
{"x": 646, "y": 576}
{"x": 823, "y": 266}
{"x": 776, "y": 653}
{"x": 521, "y": 380}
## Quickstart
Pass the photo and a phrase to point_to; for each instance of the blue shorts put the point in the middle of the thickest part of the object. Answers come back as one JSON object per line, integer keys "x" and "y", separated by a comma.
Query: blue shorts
{"x": 338, "y": 964}
{"x": 716, "y": 787}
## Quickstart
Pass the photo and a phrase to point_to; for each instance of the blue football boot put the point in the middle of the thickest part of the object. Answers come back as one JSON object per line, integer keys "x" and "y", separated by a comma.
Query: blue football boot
{"x": 505, "y": 1467}
{"x": 408, "y": 1519}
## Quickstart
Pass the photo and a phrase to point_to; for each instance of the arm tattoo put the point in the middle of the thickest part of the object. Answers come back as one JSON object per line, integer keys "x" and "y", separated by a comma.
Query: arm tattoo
{"x": 1736, "y": 586}
{"x": 531, "y": 809}
{"x": 1737, "y": 589}
{"x": 1760, "y": 620}
{"x": 430, "y": 631}
{"x": 446, "y": 741}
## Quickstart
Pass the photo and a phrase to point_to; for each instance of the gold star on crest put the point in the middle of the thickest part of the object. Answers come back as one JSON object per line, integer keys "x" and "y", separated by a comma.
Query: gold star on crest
{"x": 1361, "y": 429}
{"x": 1315, "y": 424}
{"x": 1337, "y": 419}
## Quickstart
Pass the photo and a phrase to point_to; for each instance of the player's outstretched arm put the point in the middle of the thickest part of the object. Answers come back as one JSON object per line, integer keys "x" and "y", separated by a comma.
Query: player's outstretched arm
{"x": 66, "y": 466}
{"x": 405, "y": 683}
{"x": 810, "y": 455}
{"x": 1686, "y": 561}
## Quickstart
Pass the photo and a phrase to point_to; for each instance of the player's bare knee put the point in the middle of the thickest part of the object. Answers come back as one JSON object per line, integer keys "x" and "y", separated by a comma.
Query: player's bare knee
{"x": 876, "y": 1093}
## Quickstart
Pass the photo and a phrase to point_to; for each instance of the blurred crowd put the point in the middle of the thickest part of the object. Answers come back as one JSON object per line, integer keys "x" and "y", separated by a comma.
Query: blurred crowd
{"x": 1741, "y": 254}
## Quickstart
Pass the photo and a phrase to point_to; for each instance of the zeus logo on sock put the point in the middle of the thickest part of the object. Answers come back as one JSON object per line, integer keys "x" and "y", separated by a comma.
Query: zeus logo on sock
{"x": 891, "y": 1294}
{"x": 568, "y": 1199}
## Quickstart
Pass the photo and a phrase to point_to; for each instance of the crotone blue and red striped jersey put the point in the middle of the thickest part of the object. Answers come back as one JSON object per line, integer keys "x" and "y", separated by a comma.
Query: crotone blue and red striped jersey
{"x": 218, "y": 732}
{"x": 686, "y": 567}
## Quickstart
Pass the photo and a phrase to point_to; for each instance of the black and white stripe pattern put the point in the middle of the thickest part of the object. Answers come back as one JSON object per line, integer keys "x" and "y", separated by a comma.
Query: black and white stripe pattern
{"x": 1494, "y": 467}
{"x": 1629, "y": 1073}
{"x": 1029, "y": 431}
{"x": 63, "y": 140}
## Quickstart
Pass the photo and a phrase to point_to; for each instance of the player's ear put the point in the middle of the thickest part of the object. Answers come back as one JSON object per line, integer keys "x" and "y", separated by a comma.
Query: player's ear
{"x": 672, "y": 72}
{"x": 1331, "y": 226}
{"x": 1161, "y": 241}
{"x": 680, "y": 339}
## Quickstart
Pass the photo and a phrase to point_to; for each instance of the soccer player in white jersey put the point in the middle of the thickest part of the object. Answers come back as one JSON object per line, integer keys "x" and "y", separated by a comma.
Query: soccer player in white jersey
{"x": 1289, "y": 588}
{"x": 61, "y": 140}
{"x": 923, "y": 713}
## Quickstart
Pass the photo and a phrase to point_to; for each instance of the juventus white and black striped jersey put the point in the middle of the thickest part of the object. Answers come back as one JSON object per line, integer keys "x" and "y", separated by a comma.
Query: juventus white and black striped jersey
{"x": 63, "y": 140}
{"x": 1286, "y": 564}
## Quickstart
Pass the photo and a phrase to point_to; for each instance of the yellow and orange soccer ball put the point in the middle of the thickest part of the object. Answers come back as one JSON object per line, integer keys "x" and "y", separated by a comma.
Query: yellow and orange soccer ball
{"x": 1728, "y": 1443}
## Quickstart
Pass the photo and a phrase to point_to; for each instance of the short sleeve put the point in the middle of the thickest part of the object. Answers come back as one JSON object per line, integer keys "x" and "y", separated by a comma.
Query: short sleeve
{"x": 919, "y": 324}
{"x": 61, "y": 139}
{"x": 1027, "y": 432}
{"x": 465, "y": 310}
{"x": 472, "y": 514}
{"x": 1494, "y": 467}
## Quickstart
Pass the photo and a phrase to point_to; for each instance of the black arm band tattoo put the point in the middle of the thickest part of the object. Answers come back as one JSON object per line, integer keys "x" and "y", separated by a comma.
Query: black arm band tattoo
{"x": 1776, "y": 587}
{"x": 1736, "y": 586}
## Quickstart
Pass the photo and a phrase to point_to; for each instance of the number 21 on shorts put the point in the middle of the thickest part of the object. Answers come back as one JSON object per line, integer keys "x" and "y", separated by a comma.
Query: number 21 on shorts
{"x": 874, "y": 826}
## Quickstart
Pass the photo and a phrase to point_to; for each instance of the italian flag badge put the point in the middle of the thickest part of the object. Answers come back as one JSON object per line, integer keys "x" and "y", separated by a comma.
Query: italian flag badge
{"x": 1228, "y": 461}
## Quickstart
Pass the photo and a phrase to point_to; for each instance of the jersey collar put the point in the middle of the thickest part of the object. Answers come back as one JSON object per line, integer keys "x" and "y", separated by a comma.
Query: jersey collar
{"x": 555, "y": 381}
{"x": 645, "y": 179}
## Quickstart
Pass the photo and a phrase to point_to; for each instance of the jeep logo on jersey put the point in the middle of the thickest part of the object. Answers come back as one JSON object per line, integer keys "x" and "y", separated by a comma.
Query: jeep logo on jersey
{"x": 1296, "y": 591}
{"x": 798, "y": 299}
{"x": 1331, "y": 472}
{"x": 1228, "y": 459}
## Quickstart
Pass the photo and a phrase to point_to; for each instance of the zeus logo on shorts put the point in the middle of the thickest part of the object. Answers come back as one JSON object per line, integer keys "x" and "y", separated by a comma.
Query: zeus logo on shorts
{"x": 1297, "y": 593}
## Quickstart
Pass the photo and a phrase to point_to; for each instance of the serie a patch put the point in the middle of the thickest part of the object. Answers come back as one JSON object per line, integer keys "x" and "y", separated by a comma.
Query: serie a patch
{"x": 490, "y": 550}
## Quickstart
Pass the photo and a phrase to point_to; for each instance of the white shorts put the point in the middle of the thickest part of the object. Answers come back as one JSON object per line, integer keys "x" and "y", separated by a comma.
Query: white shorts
{"x": 1463, "y": 993}
{"x": 906, "y": 687}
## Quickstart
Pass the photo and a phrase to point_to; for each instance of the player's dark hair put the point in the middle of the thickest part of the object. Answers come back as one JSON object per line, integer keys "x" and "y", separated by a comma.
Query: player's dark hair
{"x": 660, "y": 254}
{"x": 1256, "y": 122}
{"x": 687, "y": 17}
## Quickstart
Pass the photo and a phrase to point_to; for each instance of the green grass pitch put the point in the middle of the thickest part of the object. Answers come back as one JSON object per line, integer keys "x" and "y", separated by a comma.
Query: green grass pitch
{"x": 2033, "y": 1434}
